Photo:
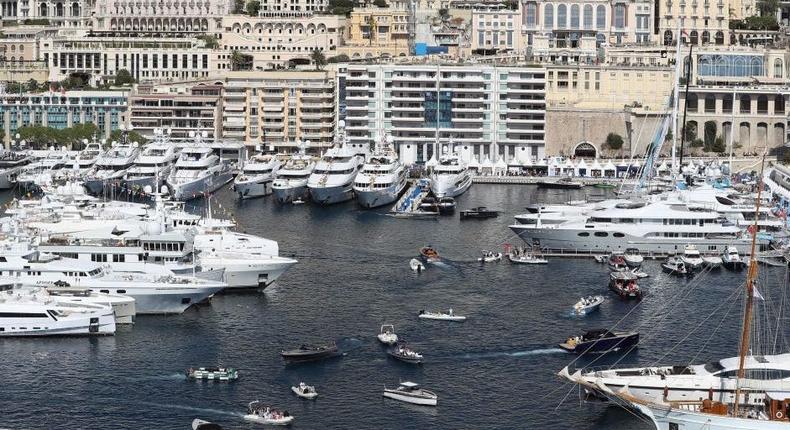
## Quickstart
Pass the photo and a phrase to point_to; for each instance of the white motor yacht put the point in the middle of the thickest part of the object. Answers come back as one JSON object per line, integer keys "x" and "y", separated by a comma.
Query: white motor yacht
{"x": 153, "y": 293}
{"x": 88, "y": 157}
{"x": 650, "y": 226}
{"x": 198, "y": 172}
{"x": 691, "y": 257}
{"x": 256, "y": 177}
{"x": 23, "y": 312}
{"x": 731, "y": 259}
{"x": 154, "y": 163}
{"x": 123, "y": 306}
{"x": 411, "y": 392}
{"x": 112, "y": 165}
{"x": 291, "y": 181}
{"x": 450, "y": 177}
{"x": 383, "y": 177}
{"x": 11, "y": 164}
{"x": 332, "y": 179}
{"x": 43, "y": 167}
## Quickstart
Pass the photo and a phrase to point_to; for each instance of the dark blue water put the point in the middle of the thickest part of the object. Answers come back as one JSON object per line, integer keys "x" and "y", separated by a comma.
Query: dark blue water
{"x": 496, "y": 370}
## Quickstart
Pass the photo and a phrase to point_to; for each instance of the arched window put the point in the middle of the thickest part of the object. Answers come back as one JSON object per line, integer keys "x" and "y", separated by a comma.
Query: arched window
{"x": 548, "y": 16}
{"x": 757, "y": 66}
{"x": 530, "y": 18}
{"x": 588, "y": 17}
{"x": 720, "y": 38}
{"x": 692, "y": 102}
{"x": 694, "y": 37}
{"x": 778, "y": 68}
{"x": 575, "y": 16}
{"x": 668, "y": 37}
{"x": 705, "y": 37}
{"x": 600, "y": 17}
{"x": 562, "y": 16}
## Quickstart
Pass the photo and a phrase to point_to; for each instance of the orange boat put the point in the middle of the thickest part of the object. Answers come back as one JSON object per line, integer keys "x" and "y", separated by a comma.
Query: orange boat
{"x": 429, "y": 254}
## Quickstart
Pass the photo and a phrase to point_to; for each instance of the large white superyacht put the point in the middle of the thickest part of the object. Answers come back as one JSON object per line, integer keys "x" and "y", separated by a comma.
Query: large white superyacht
{"x": 256, "y": 177}
{"x": 197, "y": 172}
{"x": 332, "y": 180}
{"x": 661, "y": 227}
{"x": 450, "y": 177}
{"x": 25, "y": 313}
{"x": 153, "y": 164}
{"x": 383, "y": 177}
{"x": 112, "y": 165}
{"x": 291, "y": 181}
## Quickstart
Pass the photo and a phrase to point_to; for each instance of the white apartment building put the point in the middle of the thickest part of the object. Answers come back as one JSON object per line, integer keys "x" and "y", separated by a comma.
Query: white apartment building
{"x": 496, "y": 30}
{"x": 703, "y": 21}
{"x": 268, "y": 6}
{"x": 477, "y": 110}
{"x": 277, "y": 109}
{"x": 67, "y": 14}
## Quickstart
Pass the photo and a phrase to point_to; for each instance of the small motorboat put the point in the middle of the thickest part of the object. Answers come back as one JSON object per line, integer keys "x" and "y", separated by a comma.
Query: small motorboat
{"x": 416, "y": 265}
{"x": 429, "y": 204}
{"x": 449, "y": 316}
{"x": 429, "y": 255}
{"x": 603, "y": 258}
{"x": 675, "y": 266}
{"x": 600, "y": 341}
{"x": 713, "y": 262}
{"x": 565, "y": 183}
{"x": 617, "y": 262}
{"x": 587, "y": 304}
{"x": 691, "y": 257}
{"x": 524, "y": 256}
{"x": 260, "y": 413}
{"x": 480, "y": 212}
{"x": 446, "y": 205}
{"x": 624, "y": 284}
{"x": 490, "y": 257}
{"x": 387, "y": 335}
{"x": 310, "y": 353}
{"x": 305, "y": 391}
{"x": 633, "y": 258}
{"x": 731, "y": 259}
{"x": 639, "y": 273}
{"x": 410, "y": 392}
{"x": 213, "y": 374}
{"x": 403, "y": 353}
{"x": 198, "y": 424}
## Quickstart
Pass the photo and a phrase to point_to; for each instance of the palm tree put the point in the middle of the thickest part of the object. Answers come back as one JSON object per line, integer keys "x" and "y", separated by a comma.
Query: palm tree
{"x": 318, "y": 58}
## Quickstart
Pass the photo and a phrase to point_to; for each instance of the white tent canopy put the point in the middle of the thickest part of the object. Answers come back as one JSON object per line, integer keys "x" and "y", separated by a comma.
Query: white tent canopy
{"x": 432, "y": 162}
{"x": 500, "y": 165}
{"x": 473, "y": 163}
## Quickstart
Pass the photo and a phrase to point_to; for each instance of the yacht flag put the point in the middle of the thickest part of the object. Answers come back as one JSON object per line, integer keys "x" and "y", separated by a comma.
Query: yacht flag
{"x": 756, "y": 294}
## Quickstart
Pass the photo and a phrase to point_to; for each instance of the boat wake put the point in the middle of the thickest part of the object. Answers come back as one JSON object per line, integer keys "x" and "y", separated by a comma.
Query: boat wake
{"x": 502, "y": 354}
{"x": 194, "y": 409}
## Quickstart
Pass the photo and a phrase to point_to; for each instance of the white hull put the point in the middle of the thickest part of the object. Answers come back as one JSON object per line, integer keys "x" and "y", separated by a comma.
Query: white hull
{"x": 290, "y": 193}
{"x": 92, "y": 324}
{"x": 247, "y": 271}
{"x": 450, "y": 185}
{"x": 375, "y": 198}
{"x": 331, "y": 195}
{"x": 253, "y": 188}
{"x": 199, "y": 187}
{"x": 569, "y": 240}
{"x": 8, "y": 177}
{"x": 268, "y": 421}
{"x": 674, "y": 419}
{"x": 394, "y": 395}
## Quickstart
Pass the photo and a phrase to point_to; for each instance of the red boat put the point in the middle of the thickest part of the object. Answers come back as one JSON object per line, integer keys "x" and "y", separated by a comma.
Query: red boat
{"x": 429, "y": 254}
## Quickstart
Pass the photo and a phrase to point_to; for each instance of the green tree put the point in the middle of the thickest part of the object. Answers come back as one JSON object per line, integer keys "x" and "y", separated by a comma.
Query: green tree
{"x": 38, "y": 137}
{"x": 767, "y": 7}
{"x": 239, "y": 61}
{"x": 697, "y": 143}
{"x": 238, "y": 7}
{"x": 317, "y": 57}
{"x": 74, "y": 136}
{"x": 380, "y": 3}
{"x": 123, "y": 77}
{"x": 718, "y": 145}
{"x": 32, "y": 85}
{"x": 614, "y": 141}
{"x": 210, "y": 41}
{"x": 342, "y": 58}
{"x": 253, "y": 7}
{"x": 444, "y": 13}
{"x": 132, "y": 135}
{"x": 690, "y": 130}
{"x": 341, "y": 7}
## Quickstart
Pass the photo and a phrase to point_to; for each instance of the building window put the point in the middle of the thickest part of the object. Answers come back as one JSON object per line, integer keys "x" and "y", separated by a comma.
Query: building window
{"x": 562, "y": 16}
{"x": 600, "y": 17}
{"x": 778, "y": 68}
{"x": 548, "y": 16}
{"x": 530, "y": 19}
{"x": 588, "y": 17}
{"x": 575, "y": 16}
{"x": 619, "y": 16}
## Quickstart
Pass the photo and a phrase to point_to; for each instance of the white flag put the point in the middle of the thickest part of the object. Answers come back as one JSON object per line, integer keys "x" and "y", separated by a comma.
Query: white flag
{"x": 756, "y": 294}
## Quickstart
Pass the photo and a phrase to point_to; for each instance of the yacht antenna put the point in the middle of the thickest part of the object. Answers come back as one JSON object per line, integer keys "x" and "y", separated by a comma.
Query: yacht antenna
{"x": 747, "y": 315}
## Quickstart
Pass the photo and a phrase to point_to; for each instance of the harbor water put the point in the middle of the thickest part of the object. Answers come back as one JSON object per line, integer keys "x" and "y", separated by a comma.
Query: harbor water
{"x": 495, "y": 370}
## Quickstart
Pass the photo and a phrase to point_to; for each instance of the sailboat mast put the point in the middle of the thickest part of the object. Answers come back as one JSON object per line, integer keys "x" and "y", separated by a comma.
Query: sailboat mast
{"x": 747, "y": 315}
{"x": 676, "y": 100}
{"x": 685, "y": 110}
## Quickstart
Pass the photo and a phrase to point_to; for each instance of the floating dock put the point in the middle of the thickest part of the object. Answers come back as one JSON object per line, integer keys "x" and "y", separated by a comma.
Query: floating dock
{"x": 409, "y": 205}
